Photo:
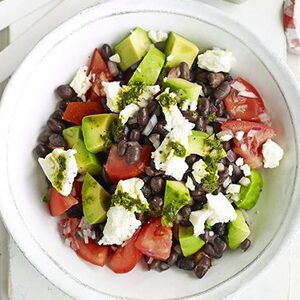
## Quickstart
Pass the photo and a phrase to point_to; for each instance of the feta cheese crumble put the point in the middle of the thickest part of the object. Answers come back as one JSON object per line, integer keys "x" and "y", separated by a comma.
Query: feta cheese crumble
{"x": 239, "y": 162}
{"x": 272, "y": 154}
{"x": 225, "y": 135}
{"x": 157, "y": 36}
{"x": 115, "y": 58}
{"x": 60, "y": 168}
{"x": 81, "y": 82}
{"x": 216, "y": 60}
{"x": 198, "y": 219}
{"x": 120, "y": 226}
{"x": 233, "y": 189}
{"x": 128, "y": 112}
{"x": 199, "y": 170}
{"x": 112, "y": 90}
{"x": 190, "y": 184}
{"x": 246, "y": 170}
{"x": 189, "y": 104}
{"x": 245, "y": 181}
{"x": 230, "y": 170}
{"x": 239, "y": 135}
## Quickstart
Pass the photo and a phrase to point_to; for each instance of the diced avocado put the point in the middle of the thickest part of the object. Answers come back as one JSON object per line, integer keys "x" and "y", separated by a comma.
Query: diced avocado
{"x": 180, "y": 49}
{"x": 95, "y": 200}
{"x": 176, "y": 196}
{"x": 133, "y": 48}
{"x": 72, "y": 135}
{"x": 189, "y": 243}
{"x": 187, "y": 89}
{"x": 95, "y": 129}
{"x": 238, "y": 231}
{"x": 250, "y": 194}
{"x": 149, "y": 68}
{"x": 87, "y": 162}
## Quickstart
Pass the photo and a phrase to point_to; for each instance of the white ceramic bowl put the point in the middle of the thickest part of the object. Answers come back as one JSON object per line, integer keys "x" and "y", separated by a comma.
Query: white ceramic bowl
{"x": 29, "y": 100}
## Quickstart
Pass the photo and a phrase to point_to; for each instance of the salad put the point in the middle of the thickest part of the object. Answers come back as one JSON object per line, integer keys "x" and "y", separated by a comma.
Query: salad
{"x": 154, "y": 153}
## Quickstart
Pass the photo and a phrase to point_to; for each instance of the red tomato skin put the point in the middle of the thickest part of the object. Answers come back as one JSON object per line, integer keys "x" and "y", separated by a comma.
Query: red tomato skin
{"x": 240, "y": 107}
{"x": 99, "y": 72}
{"x": 58, "y": 204}
{"x": 155, "y": 240}
{"x": 117, "y": 168}
{"x": 76, "y": 189}
{"x": 125, "y": 258}
{"x": 75, "y": 111}
{"x": 250, "y": 148}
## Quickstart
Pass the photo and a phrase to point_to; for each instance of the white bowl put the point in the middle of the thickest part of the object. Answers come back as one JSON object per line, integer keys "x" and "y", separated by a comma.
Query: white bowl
{"x": 29, "y": 100}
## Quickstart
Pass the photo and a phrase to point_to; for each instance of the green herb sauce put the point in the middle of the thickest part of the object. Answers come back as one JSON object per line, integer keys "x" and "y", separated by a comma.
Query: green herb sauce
{"x": 166, "y": 100}
{"x": 128, "y": 202}
{"x": 211, "y": 117}
{"x": 210, "y": 181}
{"x": 178, "y": 148}
{"x": 61, "y": 159}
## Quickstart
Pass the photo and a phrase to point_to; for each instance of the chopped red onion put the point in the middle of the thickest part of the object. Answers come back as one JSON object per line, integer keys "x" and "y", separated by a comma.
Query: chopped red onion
{"x": 247, "y": 94}
{"x": 154, "y": 138}
{"x": 220, "y": 120}
{"x": 80, "y": 178}
{"x": 148, "y": 259}
{"x": 238, "y": 86}
{"x": 151, "y": 124}
{"x": 114, "y": 248}
{"x": 212, "y": 109}
{"x": 231, "y": 156}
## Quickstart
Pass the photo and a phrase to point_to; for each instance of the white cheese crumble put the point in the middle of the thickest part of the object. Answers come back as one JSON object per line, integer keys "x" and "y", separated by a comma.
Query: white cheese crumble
{"x": 239, "y": 135}
{"x": 233, "y": 188}
{"x": 246, "y": 170}
{"x": 235, "y": 197}
{"x": 189, "y": 104}
{"x": 245, "y": 181}
{"x": 128, "y": 112}
{"x": 198, "y": 219}
{"x": 272, "y": 154}
{"x": 239, "y": 162}
{"x": 230, "y": 170}
{"x": 216, "y": 60}
{"x": 170, "y": 57}
{"x": 81, "y": 82}
{"x": 220, "y": 167}
{"x": 120, "y": 226}
{"x": 226, "y": 182}
{"x": 157, "y": 36}
{"x": 61, "y": 175}
{"x": 223, "y": 211}
{"x": 112, "y": 90}
{"x": 199, "y": 171}
{"x": 115, "y": 58}
{"x": 225, "y": 135}
{"x": 190, "y": 184}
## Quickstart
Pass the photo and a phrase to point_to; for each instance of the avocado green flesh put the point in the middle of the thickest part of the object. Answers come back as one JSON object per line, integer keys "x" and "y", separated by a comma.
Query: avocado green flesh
{"x": 182, "y": 49}
{"x": 196, "y": 142}
{"x": 133, "y": 48}
{"x": 95, "y": 129}
{"x": 87, "y": 162}
{"x": 189, "y": 243}
{"x": 149, "y": 68}
{"x": 187, "y": 89}
{"x": 176, "y": 196}
{"x": 95, "y": 200}
{"x": 238, "y": 231}
{"x": 72, "y": 135}
{"x": 249, "y": 194}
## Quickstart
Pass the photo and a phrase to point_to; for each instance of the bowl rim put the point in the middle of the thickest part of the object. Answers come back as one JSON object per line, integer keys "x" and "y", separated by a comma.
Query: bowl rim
{"x": 256, "y": 46}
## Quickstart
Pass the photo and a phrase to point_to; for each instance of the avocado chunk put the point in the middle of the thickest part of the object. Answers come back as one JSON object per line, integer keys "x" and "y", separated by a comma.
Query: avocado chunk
{"x": 72, "y": 135}
{"x": 133, "y": 48}
{"x": 95, "y": 130}
{"x": 180, "y": 49}
{"x": 95, "y": 200}
{"x": 149, "y": 68}
{"x": 87, "y": 162}
{"x": 238, "y": 231}
{"x": 176, "y": 196}
{"x": 186, "y": 89}
{"x": 189, "y": 243}
{"x": 250, "y": 194}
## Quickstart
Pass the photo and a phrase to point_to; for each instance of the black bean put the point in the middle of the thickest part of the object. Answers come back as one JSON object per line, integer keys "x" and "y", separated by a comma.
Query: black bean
{"x": 174, "y": 73}
{"x": 56, "y": 126}
{"x": 226, "y": 145}
{"x": 221, "y": 109}
{"x": 197, "y": 192}
{"x": 202, "y": 266}
{"x": 215, "y": 79}
{"x": 141, "y": 217}
{"x": 201, "y": 76}
{"x": 185, "y": 211}
{"x": 177, "y": 249}
{"x": 146, "y": 178}
{"x": 113, "y": 68}
{"x": 203, "y": 106}
{"x": 134, "y": 135}
{"x": 152, "y": 106}
{"x": 160, "y": 129}
{"x": 62, "y": 105}
{"x": 106, "y": 51}
{"x": 159, "y": 265}
{"x": 57, "y": 114}
{"x": 210, "y": 251}
{"x": 184, "y": 71}
{"x": 219, "y": 245}
{"x": 127, "y": 75}
{"x": 207, "y": 90}
{"x": 65, "y": 92}
{"x": 198, "y": 256}
{"x": 133, "y": 154}
{"x": 208, "y": 236}
{"x": 122, "y": 147}
{"x": 172, "y": 258}
{"x": 105, "y": 177}
{"x": 185, "y": 223}
{"x": 75, "y": 211}
{"x": 147, "y": 191}
{"x": 227, "y": 77}
{"x": 143, "y": 116}
{"x": 56, "y": 141}
{"x": 191, "y": 159}
{"x": 111, "y": 189}
{"x": 222, "y": 91}
{"x": 149, "y": 171}
{"x": 157, "y": 184}
{"x": 44, "y": 136}
{"x": 191, "y": 116}
{"x": 185, "y": 263}
{"x": 164, "y": 266}
{"x": 200, "y": 124}
{"x": 98, "y": 229}
{"x": 245, "y": 245}
{"x": 41, "y": 150}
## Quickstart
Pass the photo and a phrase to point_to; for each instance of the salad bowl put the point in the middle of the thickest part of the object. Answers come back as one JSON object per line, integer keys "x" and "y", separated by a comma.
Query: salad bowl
{"x": 29, "y": 99}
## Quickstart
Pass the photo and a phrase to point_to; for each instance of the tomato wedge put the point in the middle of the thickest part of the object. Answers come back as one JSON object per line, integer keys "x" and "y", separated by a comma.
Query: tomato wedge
{"x": 90, "y": 252}
{"x": 117, "y": 168}
{"x": 58, "y": 204}
{"x": 75, "y": 111}
{"x": 250, "y": 146}
{"x": 245, "y": 105}
{"x": 126, "y": 258}
{"x": 155, "y": 240}
{"x": 99, "y": 72}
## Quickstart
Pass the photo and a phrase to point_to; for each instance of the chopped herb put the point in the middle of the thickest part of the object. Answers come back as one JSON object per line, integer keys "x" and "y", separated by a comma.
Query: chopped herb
{"x": 107, "y": 140}
{"x": 61, "y": 159}
{"x": 169, "y": 213}
{"x": 116, "y": 130}
{"x": 211, "y": 117}
{"x": 167, "y": 100}
{"x": 178, "y": 148}
{"x": 128, "y": 202}
{"x": 210, "y": 181}
{"x": 214, "y": 147}
{"x": 130, "y": 94}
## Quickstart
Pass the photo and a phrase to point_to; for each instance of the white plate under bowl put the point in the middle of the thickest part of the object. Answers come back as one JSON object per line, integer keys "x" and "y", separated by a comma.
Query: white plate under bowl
{"x": 29, "y": 100}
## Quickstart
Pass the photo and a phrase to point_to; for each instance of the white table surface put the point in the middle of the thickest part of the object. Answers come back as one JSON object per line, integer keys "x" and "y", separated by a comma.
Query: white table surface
{"x": 279, "y": 281}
